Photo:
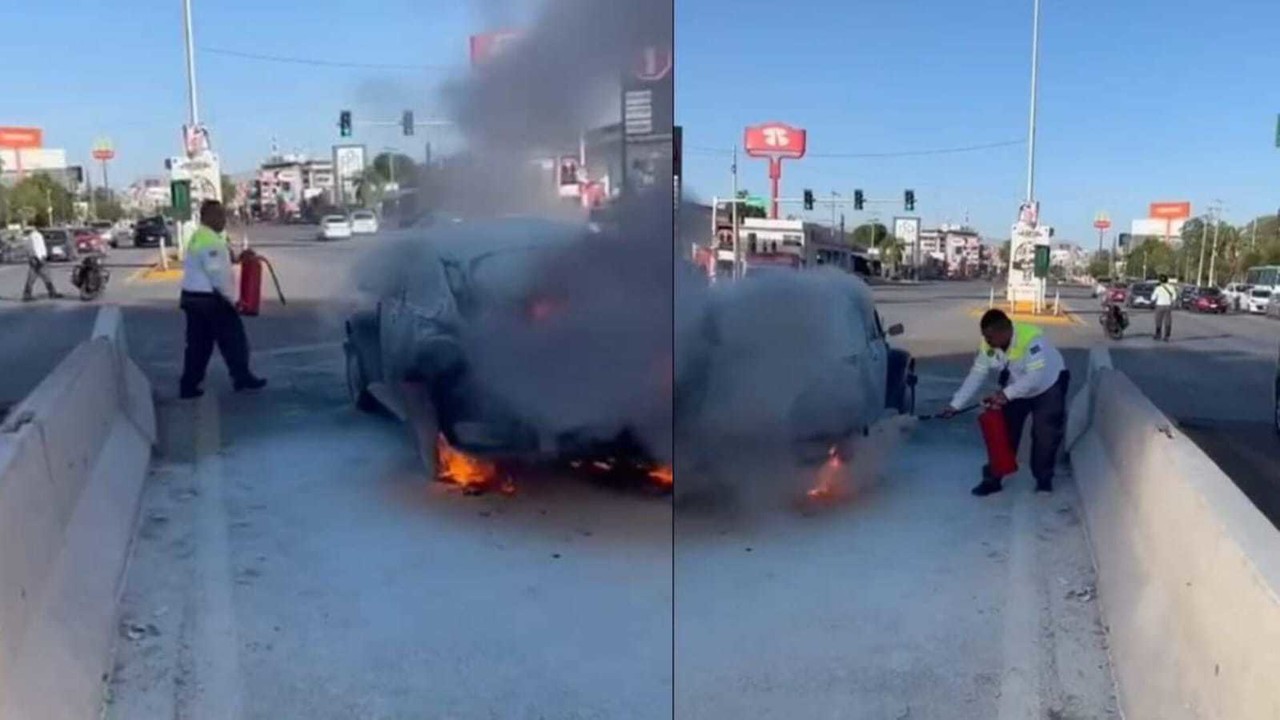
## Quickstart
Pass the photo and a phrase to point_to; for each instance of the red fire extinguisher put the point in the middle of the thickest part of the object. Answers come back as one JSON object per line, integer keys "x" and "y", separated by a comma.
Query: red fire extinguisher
{"x": 995, "y": 433}
{"x": 251, "y": 282}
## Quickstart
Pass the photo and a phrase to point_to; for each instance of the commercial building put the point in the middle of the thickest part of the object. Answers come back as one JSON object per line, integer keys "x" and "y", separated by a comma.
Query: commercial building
{"x": 147, "y": 196}
{"x": 1158, "y": 229}
{"x": 285, "y": 182}
{"x": 956, "y": 250}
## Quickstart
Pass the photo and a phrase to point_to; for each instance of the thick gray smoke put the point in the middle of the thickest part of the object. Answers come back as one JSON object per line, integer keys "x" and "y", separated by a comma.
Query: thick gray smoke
{"x": 602, "y": 359}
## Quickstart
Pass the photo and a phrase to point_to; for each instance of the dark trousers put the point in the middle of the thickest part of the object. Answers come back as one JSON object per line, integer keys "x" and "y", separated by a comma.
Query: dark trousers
{"x": 1164, "y": 321}
{"x": 35, "y": 270}
{"x": 1048, "y": 412}
{"x": 211, "y": 319}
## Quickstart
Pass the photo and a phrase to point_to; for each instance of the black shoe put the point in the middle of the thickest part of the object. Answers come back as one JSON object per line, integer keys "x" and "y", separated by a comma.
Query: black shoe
{"x": 28, "y": 298}
{"x": 56, "y": 295}
{"x": 1044, "y": 487}
{"x": 250, "y": 383}
{"x": 190, "y": 393}
{"x": 987, "y": 487}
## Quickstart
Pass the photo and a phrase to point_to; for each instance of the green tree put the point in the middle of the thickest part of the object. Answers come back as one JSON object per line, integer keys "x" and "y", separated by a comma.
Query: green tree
{"x": 229, "y": 190}
{"x": 870, "y": 235}
{"x": 397, "y": 167}
{"x": 892, "y": 250}
{"x": 1005, "y": 248}
{"x": 105, "y": 205}
{"x": 34, "y": 196}
{"x": 1153, "y": 257}
{"x": 1100, "y": 265}
{"x": 371, "y": 188}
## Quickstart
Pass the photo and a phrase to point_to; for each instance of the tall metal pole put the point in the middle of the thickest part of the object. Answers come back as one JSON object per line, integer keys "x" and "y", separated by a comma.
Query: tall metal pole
{"x": 733, "y": 218}
{"x": 192, "y": 105}
{"x": 1213, "y": 257}
{"x": 1035, "y": 89}
{"x": 1204, "y": 239}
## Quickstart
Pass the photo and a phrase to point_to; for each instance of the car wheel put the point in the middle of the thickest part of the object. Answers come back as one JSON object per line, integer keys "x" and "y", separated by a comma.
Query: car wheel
{"x": 424, "y": 426}
{"x": 358, "y": 382}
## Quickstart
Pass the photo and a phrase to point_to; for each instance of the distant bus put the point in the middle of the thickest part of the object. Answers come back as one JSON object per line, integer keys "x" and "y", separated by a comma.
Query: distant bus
{"x": 1267, "y": 276}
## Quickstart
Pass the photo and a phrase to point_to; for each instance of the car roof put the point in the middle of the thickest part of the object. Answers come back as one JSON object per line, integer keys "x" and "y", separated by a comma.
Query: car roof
{"x": 465, "y": 241}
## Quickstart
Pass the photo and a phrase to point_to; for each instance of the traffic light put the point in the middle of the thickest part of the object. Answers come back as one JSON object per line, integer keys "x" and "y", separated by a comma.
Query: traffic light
{"x": 808, "y": 199}
{"x": 909, "y": 199}
{"x": 344, "y": 123}
{"x": 858, "y": 200}
{"x": 406, "y": 121}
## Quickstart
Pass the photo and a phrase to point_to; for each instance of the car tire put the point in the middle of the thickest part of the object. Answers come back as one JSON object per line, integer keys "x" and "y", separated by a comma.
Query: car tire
{"x": 358, "y": 382}
{"x": 424, "y": 426}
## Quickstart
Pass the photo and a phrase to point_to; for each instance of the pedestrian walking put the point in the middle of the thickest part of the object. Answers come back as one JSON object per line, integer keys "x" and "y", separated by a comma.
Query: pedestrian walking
{"x": 37, "y": 257}
{"x": 207, "y": 289}
{"x": 1164, "y": 296}
{"x": 1033, "y": 382}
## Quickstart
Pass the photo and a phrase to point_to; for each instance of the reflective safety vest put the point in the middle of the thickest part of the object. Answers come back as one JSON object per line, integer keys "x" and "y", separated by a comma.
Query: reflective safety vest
{"x": 207, "y": 265}
{"x": 1034, "y": 365}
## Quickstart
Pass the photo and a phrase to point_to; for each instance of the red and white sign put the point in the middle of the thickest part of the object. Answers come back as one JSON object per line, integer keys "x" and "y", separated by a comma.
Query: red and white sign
{"x": 487, "y": 46}
{"x": 775, "y": 140}
{"x": 102, "y": 151}
{"x": 21, "y": 138}
{"x": 195, "y": 138}
{"x": 1101, "y": 221}
{"x": 1170, "y": 210}
{"x": 654, "y": 64}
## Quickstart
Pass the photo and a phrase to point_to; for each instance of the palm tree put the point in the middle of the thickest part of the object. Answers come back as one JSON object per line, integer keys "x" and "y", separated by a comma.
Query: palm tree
{"x": 892, "y": 248}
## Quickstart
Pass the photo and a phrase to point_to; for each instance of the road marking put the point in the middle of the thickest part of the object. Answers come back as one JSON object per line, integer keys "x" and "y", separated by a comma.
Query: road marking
{"x": 1067, "y": 318}
{"x": 215, "y": 654}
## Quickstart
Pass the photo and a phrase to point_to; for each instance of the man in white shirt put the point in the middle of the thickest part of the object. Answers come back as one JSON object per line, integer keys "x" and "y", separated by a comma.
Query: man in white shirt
{"x": 1164, "y": 296}
{"x": 37, "y": 255}
{"x": 1033, "y": 380}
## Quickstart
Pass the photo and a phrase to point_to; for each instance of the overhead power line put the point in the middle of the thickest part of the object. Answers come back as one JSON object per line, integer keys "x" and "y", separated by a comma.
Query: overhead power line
{"x": 903, "y": 153}
{"x": 318, "y": 62}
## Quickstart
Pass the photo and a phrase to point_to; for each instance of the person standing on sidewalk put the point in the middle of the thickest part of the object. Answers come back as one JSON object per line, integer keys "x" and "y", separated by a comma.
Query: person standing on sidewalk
{"x": 1164, "y": 296}
{"x": 207, "y": 289}
{"x": 37, "y": 256}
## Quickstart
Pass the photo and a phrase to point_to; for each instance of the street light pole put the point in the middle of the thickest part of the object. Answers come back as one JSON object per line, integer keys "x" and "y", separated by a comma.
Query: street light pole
{"x": 1035, "y": 89}
{"x": 192, "y": 105}
{"x": 1213, "y": 257}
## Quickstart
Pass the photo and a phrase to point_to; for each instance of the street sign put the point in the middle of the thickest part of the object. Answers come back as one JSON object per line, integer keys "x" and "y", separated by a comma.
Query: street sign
{"x": 486, "y": 46}
{"x": 775, "y": 139}
{"x": 654, "y": 64}
{"x": 21, "y": 138}
{"x": 180, "y": 199}
{"x": 1170, "y": 210}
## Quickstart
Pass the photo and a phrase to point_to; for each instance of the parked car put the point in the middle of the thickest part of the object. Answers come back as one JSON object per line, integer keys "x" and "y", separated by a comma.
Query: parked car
{"x": 1237, "y": 295}
{"x": 364, "y": 222}
{"x": 88, "y": 241}
{"x": 107, "y": 231}
{"x": 13, "y": 247}
{"x": 1187, "y": 295}
{"x": 1142, "y": 295}
{"x": 335, "y": 227}
{"x": 1100, "y": 287}
{"x": 1259, "y": 299}
{"x": 59, "y": 244}
{"x": 150, "y": 232}
{"x": 1209, "y": 300}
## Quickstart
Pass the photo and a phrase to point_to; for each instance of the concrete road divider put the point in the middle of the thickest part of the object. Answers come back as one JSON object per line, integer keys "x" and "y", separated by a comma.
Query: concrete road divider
{"x": 73, "y": 457}
{"x": 1188, "y": 568}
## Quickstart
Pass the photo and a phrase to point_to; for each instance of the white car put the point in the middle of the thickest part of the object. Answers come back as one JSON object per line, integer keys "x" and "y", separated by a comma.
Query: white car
{"x": 1237, "y": 295}
{"x": 364, "y": 222}
{"x": 1259, "y": 299}
{"x": 335, "y": 227}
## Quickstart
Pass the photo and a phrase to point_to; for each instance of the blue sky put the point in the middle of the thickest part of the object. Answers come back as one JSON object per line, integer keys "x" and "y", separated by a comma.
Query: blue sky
{"x": 1141, "y": 100}
{"x": 86, "y": 68}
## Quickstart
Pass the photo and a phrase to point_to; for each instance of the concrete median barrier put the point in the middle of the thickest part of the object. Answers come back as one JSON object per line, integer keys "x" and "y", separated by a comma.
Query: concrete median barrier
{"x": 73, "y": 457}
{"x": 1188, "y": 568}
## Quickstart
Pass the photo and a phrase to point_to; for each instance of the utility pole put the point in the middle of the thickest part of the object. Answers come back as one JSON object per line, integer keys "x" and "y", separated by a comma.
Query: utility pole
{"x": 834, "y": 195}
{"x": 733, "y": 218}
{"x": 1035, "y": 89}
{"x": 1214, "y": 256}
{"x": 1204, "y": 240}
{"x": 192, "y": 105}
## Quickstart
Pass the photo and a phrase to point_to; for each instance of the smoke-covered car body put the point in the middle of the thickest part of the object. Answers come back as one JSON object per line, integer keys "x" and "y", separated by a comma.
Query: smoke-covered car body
{"x": 800, "y": 358}
{"x": 468, "y": 314}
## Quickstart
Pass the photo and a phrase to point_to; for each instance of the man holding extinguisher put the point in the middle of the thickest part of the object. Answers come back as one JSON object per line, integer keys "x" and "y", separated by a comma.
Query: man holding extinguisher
{"x": 1033, "y": 381}
{"x": 207, "y": 300}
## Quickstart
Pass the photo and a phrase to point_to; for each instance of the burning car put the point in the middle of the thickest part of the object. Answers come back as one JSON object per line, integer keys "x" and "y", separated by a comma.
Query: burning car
{"x": 462, "y": 336}
{"x": 802, "y": 359}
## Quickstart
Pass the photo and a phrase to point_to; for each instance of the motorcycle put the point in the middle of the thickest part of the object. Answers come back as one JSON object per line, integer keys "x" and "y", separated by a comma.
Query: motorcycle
{"x": 1114, "y": 320}
{"x": 90, "y": 277}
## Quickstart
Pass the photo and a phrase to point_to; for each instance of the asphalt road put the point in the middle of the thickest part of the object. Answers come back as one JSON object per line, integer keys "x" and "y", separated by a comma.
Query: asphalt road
{"x": 304, "y": 566}
{"x": 1216, "y": 378}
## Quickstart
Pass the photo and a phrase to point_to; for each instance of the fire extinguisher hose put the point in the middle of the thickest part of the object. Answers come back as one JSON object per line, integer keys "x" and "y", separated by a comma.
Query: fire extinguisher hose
{"x": 275, "y": 280}
{"x": 962, "y": 411}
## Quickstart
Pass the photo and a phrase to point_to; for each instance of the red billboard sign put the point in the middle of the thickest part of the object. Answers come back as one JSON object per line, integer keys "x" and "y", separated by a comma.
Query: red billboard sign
{"x": 21, "y": 138}
{"x": 1102, "y": 224}
{"x": 775, "y": 140}
{"x": 487, "y": 46}
{"x": 1170, "y": 210}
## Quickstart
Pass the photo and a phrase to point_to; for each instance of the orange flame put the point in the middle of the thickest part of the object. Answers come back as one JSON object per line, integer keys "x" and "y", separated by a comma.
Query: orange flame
{"x": 829, "y": 484}
{"x": 663, "y": 475}
{"x": 469, "y": 473}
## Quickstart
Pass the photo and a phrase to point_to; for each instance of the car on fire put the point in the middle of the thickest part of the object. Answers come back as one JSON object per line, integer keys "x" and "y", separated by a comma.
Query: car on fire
{"x": 416, "y": 353}
{"x": 804, "y": 355}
